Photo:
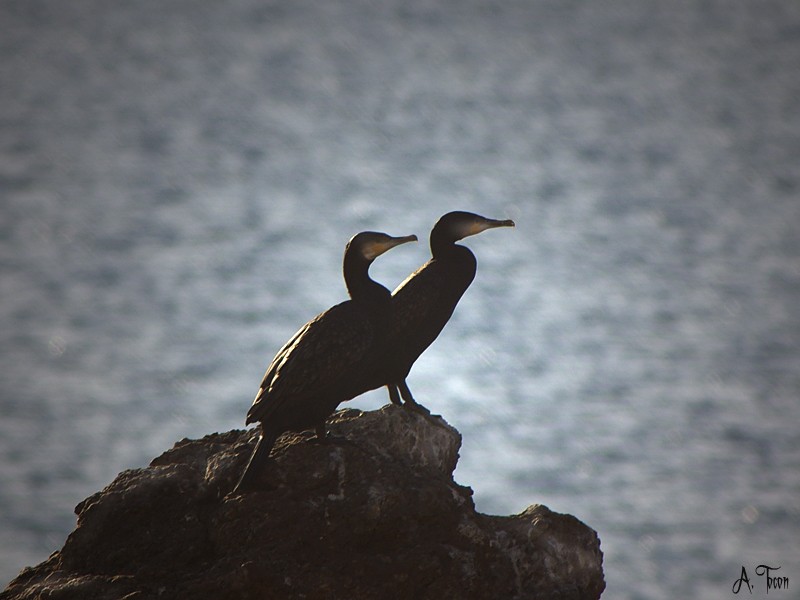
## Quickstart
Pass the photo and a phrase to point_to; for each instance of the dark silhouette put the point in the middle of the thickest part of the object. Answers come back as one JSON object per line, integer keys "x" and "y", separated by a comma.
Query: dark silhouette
{"x": 425, "y": 301}
{"x": 327, "y": 360}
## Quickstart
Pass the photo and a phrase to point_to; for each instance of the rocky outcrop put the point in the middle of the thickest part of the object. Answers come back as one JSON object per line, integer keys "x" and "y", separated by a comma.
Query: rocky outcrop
{"x": 371, "y": 513}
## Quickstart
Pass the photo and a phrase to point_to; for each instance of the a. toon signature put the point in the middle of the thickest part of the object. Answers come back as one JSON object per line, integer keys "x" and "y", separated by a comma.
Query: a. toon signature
{"x": 774, "y": 582}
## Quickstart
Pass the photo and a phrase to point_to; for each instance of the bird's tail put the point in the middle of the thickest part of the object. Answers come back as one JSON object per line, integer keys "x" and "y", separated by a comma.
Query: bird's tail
{"x": 256, "y": 462}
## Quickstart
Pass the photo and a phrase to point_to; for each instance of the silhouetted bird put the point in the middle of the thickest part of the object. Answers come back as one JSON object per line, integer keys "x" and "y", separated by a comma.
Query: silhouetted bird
{"x": 328, "y": 359}
{"x": 425, "y": 301}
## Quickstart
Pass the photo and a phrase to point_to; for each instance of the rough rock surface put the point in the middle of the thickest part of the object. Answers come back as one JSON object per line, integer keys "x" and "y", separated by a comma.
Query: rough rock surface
{"x": 372, "y": 513}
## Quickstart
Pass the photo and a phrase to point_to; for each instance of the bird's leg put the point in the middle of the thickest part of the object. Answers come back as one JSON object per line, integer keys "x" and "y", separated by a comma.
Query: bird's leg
{"x": 410, "y": 403}
{"x": 405, "y": 392}
{"x": 394, "y": 396}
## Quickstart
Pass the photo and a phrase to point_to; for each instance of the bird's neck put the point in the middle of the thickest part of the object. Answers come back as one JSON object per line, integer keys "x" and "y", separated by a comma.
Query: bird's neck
{"x": 448, "y": 249}
{"x": 359, "y": 284}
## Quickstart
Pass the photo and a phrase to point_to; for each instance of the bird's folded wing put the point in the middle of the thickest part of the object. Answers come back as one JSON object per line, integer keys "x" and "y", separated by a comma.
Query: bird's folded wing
{"x": 317, "y": 360}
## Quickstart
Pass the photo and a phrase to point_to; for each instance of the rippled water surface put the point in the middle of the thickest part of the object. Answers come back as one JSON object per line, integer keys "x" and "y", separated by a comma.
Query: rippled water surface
{"x": 178, "y": 181}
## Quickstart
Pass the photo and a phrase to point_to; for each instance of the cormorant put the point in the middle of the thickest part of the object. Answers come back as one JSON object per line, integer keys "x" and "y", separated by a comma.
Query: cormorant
{"x": 425, "y": 301}
{"x": 326, "y": 361}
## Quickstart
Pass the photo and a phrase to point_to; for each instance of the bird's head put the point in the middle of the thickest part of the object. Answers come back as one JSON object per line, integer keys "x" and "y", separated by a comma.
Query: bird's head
{"x": 369, "y": 245}
{"x": 459, "y": 224}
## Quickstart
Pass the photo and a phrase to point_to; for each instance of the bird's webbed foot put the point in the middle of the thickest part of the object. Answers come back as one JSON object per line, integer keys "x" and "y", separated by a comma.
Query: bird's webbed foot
{"x": 416, "y": 407}
{"x": 409, "y": 401}
{"x": 323, "y": 437}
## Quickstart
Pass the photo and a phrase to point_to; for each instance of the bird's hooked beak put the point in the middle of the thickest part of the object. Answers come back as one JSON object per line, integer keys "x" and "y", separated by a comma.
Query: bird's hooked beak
{"x": 375, "y": 248}
{"x": 483, "y": 224}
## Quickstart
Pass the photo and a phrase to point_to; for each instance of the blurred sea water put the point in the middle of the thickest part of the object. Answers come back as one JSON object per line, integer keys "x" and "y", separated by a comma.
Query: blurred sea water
{"x": 178, "y": 180}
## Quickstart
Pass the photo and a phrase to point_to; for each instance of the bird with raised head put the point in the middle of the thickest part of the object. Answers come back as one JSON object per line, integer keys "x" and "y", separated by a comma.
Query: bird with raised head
{"x": 328, "y": 359}
{"x": 425, "y": 301}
